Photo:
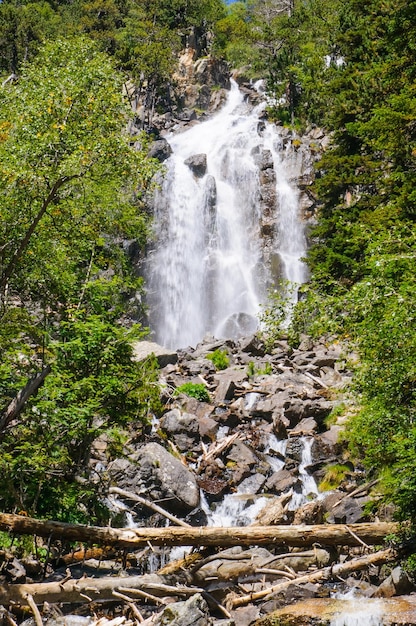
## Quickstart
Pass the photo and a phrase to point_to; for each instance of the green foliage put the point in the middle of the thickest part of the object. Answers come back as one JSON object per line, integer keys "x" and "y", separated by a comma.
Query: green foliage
{"x": 23, "y": 27}
{"x": 252, "y": 370}
{"x": 71, "y": 186}
{"x": 275, "y": 313}
{"x": 94, "y": 388}
{"x": 194, "y": 390}
{"x": 219, "y": 359}
{"x": 333, "y": 477}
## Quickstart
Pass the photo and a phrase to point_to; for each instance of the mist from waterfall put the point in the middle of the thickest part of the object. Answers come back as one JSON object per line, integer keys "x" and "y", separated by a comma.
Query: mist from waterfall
{"x": 206, "y": 273}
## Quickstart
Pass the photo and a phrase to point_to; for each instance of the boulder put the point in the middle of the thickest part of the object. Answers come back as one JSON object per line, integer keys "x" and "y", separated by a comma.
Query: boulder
{"x": 159, "y": 475}
{"x": 282, "y": 481}
{"x": 197, "y": 163}
{"x": 142, "y": 350}
{"x": 191, "y": 612}
{"x": 183, "y": 428}
{"x": 397, "y": 584}
{"x": 160, "y": 150}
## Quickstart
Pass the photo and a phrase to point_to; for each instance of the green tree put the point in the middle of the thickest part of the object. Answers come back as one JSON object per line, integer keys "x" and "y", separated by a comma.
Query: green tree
{"x": 23, "y": 27}
{"x": 67, "y": 169}
{"x": 71, "y": 192}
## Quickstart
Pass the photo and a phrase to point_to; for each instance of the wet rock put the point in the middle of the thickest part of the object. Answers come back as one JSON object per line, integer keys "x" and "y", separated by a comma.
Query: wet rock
{"x": 211, "y": 193}
{"x": 294, "y": 449}
{"x": 282, "y": 481}
{"x": 253, "y": 484}
{"x": 197, "y": 163}
{"x": 192, "y": 612}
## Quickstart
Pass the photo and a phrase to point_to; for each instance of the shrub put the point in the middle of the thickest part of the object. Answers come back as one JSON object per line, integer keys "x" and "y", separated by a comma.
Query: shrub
{"x": 219, "y": 359}
{"x": 194, "y": 390}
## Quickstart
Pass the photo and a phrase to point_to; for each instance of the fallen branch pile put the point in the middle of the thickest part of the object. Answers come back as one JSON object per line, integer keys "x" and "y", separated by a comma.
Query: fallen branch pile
{"x": 235, "y": 577}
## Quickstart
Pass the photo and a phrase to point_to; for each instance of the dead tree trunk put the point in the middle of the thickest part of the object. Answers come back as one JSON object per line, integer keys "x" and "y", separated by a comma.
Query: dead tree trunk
{"x": 333, "y": 571}
{"x": 132, "y": 538}
{"x": 89, "y": 589}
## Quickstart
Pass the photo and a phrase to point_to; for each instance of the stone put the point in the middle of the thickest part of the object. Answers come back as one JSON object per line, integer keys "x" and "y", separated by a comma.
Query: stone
{"x": 252, "y": 345}
{"x": 160, "y": 150}
{"x": 183, "y": 428}
{"x": 397, "y": 584}
{"x": 197, "y": 163}
{"x": 251, "y": 485}
{"x": 346, "y": 511}
{"x": 309, "y": 513}
{"x": 242, "y": 455}
{"x": 282, "y": 481}
{"x": 142, "y": 350}
{"x": 160, "y": 476}
{"x": 306, "y": 427}
{"x": 211, "y": 193}
{"x": 191, "y": 612}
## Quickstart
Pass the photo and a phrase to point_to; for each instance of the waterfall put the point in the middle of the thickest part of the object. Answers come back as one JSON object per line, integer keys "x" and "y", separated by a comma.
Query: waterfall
{"x": 207, "y": 272}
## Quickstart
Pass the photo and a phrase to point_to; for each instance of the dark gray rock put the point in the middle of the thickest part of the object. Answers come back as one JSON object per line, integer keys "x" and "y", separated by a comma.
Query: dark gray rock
{"x": 159, "y": 475}
{"x": 183, "y": 428}
{"x": 160, "y": 150}
{"x": 197, "y": 163}
{"x": 282, "y": 481}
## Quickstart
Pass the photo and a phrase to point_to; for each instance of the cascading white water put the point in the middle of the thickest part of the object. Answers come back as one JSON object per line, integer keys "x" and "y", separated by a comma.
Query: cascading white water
{"x": 206, "y": 273}
{"x": 309, "y": 486}
{"x": 358, "y": 612}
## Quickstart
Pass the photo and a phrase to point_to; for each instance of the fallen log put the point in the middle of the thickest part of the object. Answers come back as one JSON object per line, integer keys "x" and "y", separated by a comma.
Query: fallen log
{"x": 326, "y": 573}
{"x": 132, "y": 538}
{"x": 88, "y": 590}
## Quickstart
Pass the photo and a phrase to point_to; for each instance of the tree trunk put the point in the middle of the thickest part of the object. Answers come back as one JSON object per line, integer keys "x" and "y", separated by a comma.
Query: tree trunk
{"x": 17, "y": 404}
{"x": 333, "y": 571}
{"x": 89, "y": 589}
{"x": 132, "y": 538}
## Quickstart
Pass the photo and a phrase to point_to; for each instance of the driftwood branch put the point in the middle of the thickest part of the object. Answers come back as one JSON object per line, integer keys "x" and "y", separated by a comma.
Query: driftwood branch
{"x": 327, "y": 573}
{"x": 296, "y": 535}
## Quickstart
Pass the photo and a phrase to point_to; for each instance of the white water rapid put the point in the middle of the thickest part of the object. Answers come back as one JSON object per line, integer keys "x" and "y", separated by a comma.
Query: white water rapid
{"x": 206, "y": 273}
